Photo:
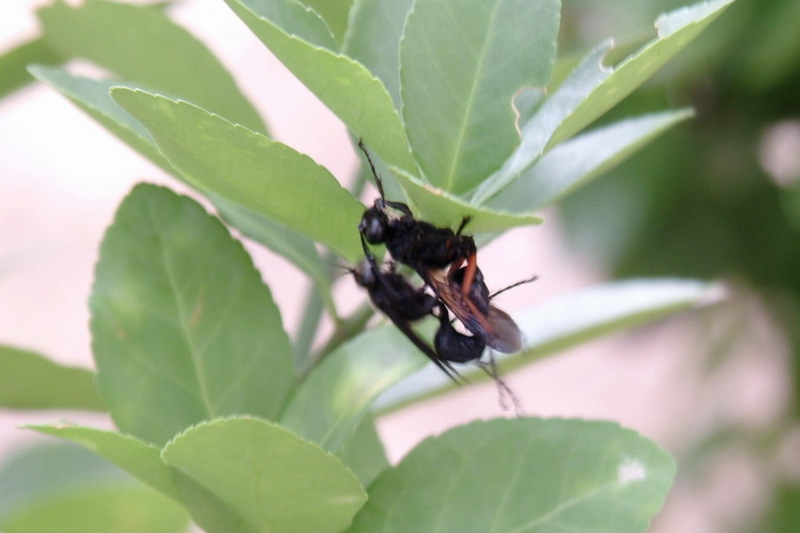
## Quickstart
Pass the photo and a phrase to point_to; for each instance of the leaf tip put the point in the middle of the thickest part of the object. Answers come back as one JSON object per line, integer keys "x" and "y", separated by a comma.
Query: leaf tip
{"x": 677, "y": 19}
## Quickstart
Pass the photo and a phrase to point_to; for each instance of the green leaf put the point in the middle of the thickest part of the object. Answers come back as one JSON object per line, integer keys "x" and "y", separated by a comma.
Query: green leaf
{"x": 38, "y": 471}
{"x": 522, "y": 475}
{"x": 675, "y": 31}
{"x": 268, "y": 477}
{"x": 92, "y": 96}
{"x": 339, "y": 393}
{"x": 207, "y": 510}
{"x": 297, "y": 248}
{"x": 122, "y": 509}
{"x": 344, "y": 85}
{"x": 591, "y": 89}
{"x": 335, "y": 13}
{"x": 30, "y": 381}
{"x": 579, "y": 317}
{"x": 296, "y": 19}
{"x": 136, "y": 457}
{"x": 575, "y": 162}
{"x": 363, "y": 452}
{"x": 248, "y": 169}
{"x": 443, "y": 209}
{"x": 13, "y": 75}
{"x": 461, "y": 63}
{"x": 66, "y": 489}
{"x": 373, "y": 39}
{"x": 537, "y": 130}
{"x": 602, "y": 309}
{"x": 131, "y": 41}
{"x": 183, "y": 328}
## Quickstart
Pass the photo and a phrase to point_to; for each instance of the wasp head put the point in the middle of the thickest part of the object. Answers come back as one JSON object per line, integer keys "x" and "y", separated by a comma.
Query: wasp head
{"x": 374, "y": 225}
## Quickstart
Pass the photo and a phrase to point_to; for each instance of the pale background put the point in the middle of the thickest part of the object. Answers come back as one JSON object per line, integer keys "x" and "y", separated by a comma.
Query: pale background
{"x": 62, "y": 177}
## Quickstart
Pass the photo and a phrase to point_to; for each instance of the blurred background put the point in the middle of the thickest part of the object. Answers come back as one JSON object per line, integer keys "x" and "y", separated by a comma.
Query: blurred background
{"x": 718, "y": 197}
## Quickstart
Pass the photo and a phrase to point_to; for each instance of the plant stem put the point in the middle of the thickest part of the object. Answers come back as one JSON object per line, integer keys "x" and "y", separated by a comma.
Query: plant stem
{"x": 345, "y": 330}
{"x": 309, "y": 323}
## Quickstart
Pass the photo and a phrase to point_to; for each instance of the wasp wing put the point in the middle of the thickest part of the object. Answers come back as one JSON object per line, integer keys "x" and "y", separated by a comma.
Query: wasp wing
{"x": 491, "y": 324}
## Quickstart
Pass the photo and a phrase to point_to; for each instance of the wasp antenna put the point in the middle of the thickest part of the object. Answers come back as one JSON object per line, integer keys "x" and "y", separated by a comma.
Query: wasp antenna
{"x": 378, "y": 181}
{"x": 353, "y": 270}
{"x": 513, "y": 285}
{"x": 464, "y": 222}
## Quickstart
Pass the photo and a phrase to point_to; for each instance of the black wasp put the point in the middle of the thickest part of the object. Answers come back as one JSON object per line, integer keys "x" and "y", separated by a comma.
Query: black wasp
{"x": 447, "y": 263}
{"x": 429, "y": 250}
{"x": 402, "y": 303}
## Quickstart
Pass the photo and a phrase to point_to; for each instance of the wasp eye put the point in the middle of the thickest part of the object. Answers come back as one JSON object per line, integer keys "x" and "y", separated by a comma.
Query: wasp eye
{"x": 373, "y": 226}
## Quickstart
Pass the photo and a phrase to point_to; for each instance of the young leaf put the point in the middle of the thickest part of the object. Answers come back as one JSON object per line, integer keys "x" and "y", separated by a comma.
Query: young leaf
{"x": 131, "y": 40}
{"x": 522, "y": 476}
{"x": 136, "y": 457}
{"x": 575, "y": 162}
{"x": 675, "y": 31}
{"x": 441, "y": 208}
{"x": 591, "y": 89}
{"x": 250, "y": 170}
{"x": 602, "y": 309}
{"x": 338, "y": 394}
{"x": 183, "y": 329}
{"x": 461, "y": 63}
{"x": 30, "y": 381}
{"x": 537, "y": 130}
{"x": 266, "y": 476}
{"x": 579, "y": 317}
{"x": 345, "y": 86}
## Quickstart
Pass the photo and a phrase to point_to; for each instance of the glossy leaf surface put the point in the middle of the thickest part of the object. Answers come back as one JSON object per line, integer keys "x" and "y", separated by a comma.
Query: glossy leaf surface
{"x": 92, "y": 96}
{"x": 266, "y": 476}
{"x": 575, "y": 162}
{"x": 358, "y": 98}
{"x": 461, "y": 63}
{"x": 524, "y": 476}
{"x": 183, "y": 328}
{"x": 248, "y": 169}
{"x": 675, "y": 30}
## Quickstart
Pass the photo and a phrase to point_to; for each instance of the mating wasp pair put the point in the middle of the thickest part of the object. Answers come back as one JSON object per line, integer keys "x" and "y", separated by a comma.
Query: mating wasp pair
{"x": 446, "y": 261}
